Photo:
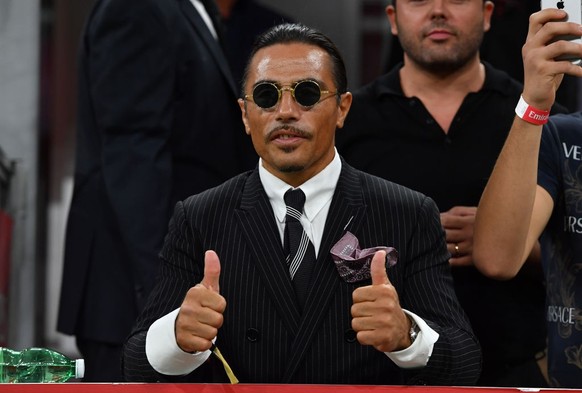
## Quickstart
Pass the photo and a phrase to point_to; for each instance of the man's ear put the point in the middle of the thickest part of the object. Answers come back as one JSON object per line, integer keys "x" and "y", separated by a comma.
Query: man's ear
{"x": 243, "y": 108}
{"x": 391, "y": 14}
{"x": 344, "y": 107}
{"x": 488, "y": 7}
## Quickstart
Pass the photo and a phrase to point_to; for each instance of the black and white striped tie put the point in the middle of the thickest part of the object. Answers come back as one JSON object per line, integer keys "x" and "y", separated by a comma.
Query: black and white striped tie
{"x": 299, "y": 249}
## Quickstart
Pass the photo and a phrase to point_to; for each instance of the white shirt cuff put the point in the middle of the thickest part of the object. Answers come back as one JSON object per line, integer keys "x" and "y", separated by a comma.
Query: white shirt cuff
{"x": 419, "y": 352}
{"x": 164, "y": 354}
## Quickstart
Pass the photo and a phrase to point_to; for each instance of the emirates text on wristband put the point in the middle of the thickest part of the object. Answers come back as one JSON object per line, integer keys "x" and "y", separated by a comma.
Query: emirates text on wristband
{"x": 530, "y": 114}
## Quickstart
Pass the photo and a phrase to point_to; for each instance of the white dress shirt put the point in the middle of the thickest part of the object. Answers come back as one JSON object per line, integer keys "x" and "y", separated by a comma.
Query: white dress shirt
{"x": 162, "y": 350}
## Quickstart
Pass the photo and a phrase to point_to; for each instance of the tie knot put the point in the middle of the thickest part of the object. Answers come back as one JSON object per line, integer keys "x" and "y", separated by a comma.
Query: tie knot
{"x": 294, "y": 199}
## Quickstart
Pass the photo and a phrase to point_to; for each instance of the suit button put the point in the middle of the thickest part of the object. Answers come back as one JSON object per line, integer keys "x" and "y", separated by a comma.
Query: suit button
{"x": 253, "y": 335}
{"x": 350, "y": 336}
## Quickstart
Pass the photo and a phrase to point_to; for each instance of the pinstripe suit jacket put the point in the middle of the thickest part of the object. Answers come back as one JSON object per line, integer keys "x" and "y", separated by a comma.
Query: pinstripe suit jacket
{"x": 264, "y": 337}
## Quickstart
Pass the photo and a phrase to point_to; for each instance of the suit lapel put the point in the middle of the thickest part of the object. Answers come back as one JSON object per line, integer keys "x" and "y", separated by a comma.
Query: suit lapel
{"x": 347, "y": 208}
{"x": 258, "y": 223}
{"x": 213, "y": 46}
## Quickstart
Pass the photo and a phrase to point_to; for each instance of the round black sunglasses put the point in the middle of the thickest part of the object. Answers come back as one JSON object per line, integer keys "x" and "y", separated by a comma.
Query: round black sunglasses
{"x": 306, "y": 93}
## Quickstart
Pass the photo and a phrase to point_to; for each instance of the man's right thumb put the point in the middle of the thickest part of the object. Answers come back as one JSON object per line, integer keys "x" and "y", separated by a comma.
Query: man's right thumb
{"x": 211, "y": 271}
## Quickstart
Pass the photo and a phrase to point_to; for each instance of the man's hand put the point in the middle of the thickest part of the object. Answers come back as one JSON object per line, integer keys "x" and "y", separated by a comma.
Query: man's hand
{"x": 542, "y": 73}
{"x": 200, "y": 314}
{"x": 458, "y": 223}
{"x": 377, "y": 317}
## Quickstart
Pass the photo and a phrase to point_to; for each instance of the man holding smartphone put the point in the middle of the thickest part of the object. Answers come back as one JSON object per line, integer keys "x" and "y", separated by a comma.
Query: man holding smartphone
{"x": 535, "y": 191}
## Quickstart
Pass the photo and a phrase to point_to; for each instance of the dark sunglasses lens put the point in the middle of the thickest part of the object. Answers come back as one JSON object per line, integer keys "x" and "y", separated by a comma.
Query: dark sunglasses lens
{"x": 307, "y": 93}
{"x": 265, "y": 95}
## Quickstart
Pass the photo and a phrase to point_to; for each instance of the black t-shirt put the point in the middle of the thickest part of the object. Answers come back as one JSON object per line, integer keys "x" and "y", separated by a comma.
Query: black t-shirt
{"x": 560, "y": 174}
{"x": 396, "y": 138}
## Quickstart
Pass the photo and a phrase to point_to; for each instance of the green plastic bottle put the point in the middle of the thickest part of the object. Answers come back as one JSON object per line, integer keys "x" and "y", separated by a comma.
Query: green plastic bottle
{"x": 38, "y": 365}
{"x": 8, "y": 365}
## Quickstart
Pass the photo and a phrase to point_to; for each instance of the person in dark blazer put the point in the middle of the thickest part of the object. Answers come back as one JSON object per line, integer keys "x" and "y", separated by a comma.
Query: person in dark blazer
{"x": 225, "y": 281}
{"x": 157, "y": 122}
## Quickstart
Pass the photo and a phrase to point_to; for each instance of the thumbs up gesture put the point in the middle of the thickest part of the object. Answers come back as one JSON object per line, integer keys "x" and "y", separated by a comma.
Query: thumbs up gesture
{"x": 201, "y": 312}
{"x": 377, "y": 317}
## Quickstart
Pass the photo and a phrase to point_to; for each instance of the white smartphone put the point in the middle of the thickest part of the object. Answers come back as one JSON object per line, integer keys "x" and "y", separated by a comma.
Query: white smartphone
{"x": 574, "y": 10}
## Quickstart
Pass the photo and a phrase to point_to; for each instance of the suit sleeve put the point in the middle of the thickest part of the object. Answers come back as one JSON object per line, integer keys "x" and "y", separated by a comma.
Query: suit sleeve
{"x": 131, "y": 75}
{"x": 179, "y": 272}
{"x": 429, "y": 292}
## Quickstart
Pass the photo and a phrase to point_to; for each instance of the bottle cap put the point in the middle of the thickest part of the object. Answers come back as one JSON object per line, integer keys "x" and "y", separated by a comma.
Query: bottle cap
{"x": 79, "y": 368}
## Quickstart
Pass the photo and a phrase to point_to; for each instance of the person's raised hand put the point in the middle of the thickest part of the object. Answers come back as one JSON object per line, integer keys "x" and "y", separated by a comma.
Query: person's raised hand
{"x": 377, "y": 317}
{"x": 201, "y": 312}
{"x": 542, "y": 72}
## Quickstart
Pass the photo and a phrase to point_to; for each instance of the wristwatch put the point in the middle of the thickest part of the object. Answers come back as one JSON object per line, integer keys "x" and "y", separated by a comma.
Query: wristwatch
{"x": 414, "y": 330}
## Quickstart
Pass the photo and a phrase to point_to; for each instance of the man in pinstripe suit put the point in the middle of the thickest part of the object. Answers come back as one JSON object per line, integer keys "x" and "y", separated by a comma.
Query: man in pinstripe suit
{"x": 224, "y": 278}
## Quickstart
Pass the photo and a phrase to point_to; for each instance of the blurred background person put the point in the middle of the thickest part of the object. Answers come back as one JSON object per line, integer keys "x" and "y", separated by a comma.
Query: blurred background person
{"x": 501, "y": 46}
{"x": 157, "y": 121}
{"x": 436, "y": 123}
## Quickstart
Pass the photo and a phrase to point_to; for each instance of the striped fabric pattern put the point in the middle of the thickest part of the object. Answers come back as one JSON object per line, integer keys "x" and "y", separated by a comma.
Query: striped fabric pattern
{"x": 266, "y": 338}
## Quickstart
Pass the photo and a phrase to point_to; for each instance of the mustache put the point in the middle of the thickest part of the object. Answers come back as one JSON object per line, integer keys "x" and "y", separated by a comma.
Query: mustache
{"x": 439, "y": 25}
{"x": 299, "y": 131}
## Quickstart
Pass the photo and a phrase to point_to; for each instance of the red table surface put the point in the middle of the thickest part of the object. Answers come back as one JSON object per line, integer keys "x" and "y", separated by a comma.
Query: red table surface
{"x": 249, "y": 388}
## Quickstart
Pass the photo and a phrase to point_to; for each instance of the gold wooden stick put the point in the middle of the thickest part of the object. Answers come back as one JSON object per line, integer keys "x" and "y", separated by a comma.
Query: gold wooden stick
{"x": 233, "y": 379}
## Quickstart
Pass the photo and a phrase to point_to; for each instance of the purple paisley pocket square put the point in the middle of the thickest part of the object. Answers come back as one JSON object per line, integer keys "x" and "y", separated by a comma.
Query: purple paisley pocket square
{"x": 352, "y": 263}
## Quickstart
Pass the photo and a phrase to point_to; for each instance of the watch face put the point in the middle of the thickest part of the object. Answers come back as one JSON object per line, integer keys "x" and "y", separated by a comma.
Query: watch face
{"x": 413, "y": 331}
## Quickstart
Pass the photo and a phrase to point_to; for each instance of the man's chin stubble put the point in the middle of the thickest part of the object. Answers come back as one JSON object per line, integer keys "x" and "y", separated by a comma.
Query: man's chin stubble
{"x": 291, "y": 168}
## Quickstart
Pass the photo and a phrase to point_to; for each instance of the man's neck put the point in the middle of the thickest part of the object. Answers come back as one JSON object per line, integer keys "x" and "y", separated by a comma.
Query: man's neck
{"x": 442, "y": 94}
{"x": 417, "y": 81}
